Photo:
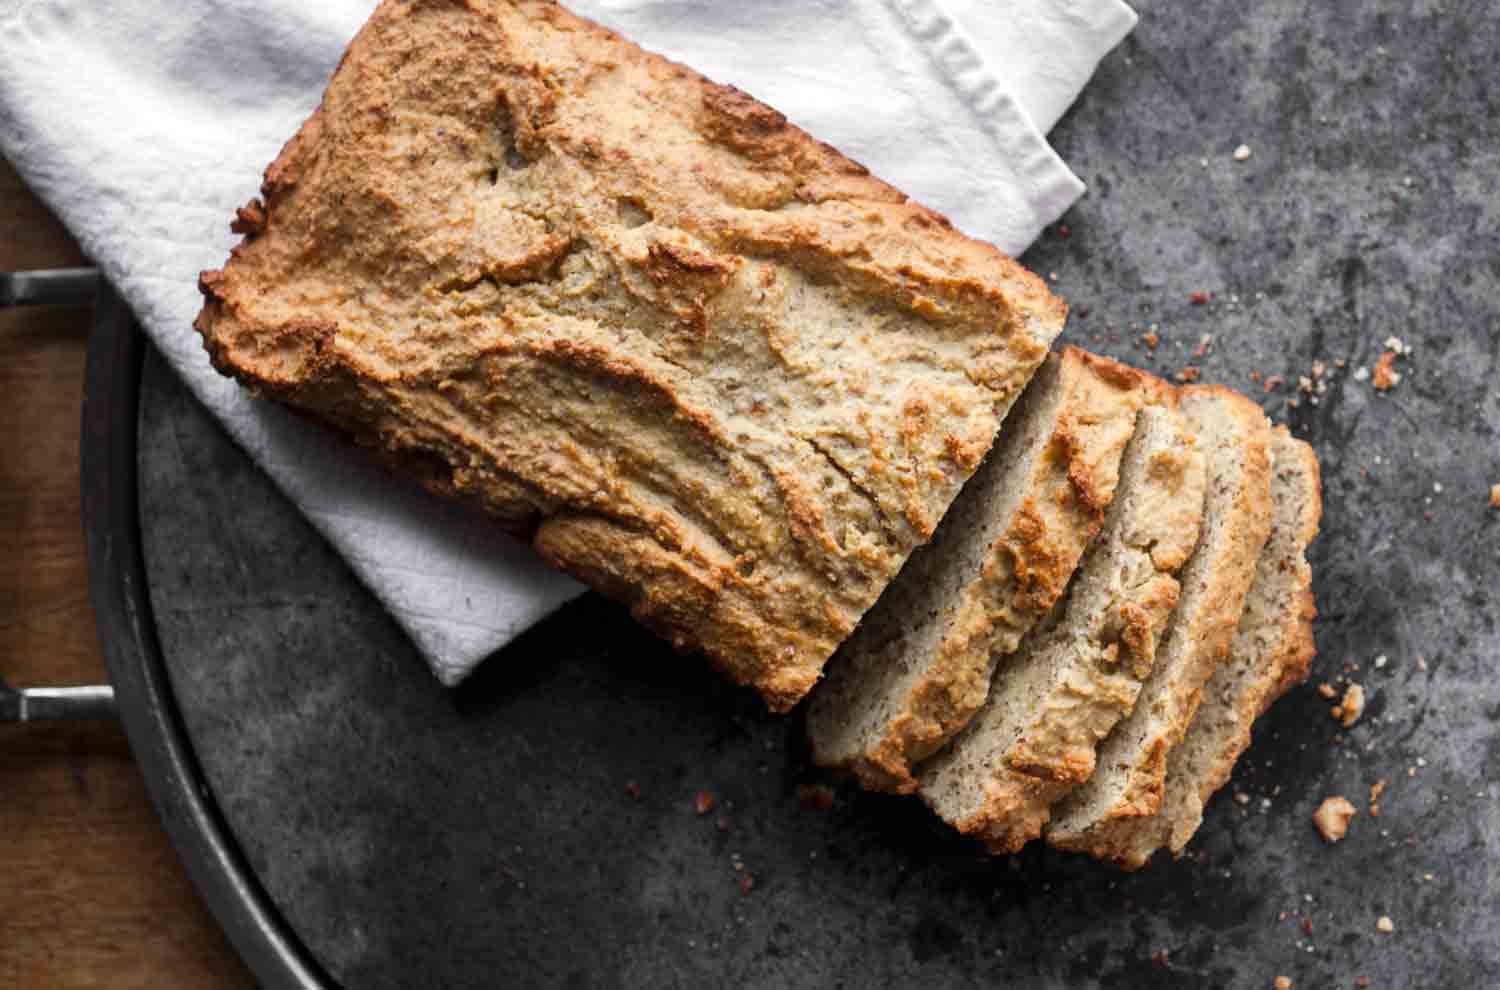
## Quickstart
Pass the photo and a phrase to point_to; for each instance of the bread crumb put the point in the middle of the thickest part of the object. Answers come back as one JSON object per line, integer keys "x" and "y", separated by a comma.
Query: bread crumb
{"x": 1273, "y": 383}
{"x": 1380, "y": 661}
{"x": 1242, "y": 153}
{"x": 1150, "y": 340}
{"x": 1282, "y": 983}
{"x": 1362, "y": 982}
{"x": 1386, "y": 376}
{"x": 1384, "y": 925}
{"x": 1332, "y": 818}
{"x": 1361, "y": 373}
{"x": 1240, "y": 797}
{"x": 1204, "y": 343}
{"x": 816, "y": 797}
{"x": 1353, "y": 705}
{"x": 1189, "y": 373}
{"x": 1495, "y": 496}
{"x": 703, "y": 802}
{"x": 1396, "y": 345}
{"x": 1376, "y": 789}
{"x": 1327, "y": 691}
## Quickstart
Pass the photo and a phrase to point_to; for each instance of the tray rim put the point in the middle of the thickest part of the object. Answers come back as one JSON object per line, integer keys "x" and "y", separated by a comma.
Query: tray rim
{"x": 126, "y": 628}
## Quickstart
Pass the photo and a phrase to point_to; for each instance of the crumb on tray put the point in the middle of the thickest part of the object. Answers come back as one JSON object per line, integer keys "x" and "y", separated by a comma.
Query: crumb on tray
{"x": 1385, "y": 375}
{"x": 1332, "y": 818}
{"x": 1352, "y": 706}
{"x": 816, "y": 797}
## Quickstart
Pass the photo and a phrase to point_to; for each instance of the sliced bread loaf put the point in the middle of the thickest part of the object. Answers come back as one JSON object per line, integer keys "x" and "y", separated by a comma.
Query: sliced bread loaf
{"x": 1272, "y": 646}
{"x": 918, "y": 666}
{"x": 702, "y": 360}
{"x": 1078, "y": 673}
{"x": 1103, "y": 814}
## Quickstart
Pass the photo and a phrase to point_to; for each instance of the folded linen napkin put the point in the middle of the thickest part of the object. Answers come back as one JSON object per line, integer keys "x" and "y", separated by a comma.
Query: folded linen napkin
{"x": 143, "y": 126}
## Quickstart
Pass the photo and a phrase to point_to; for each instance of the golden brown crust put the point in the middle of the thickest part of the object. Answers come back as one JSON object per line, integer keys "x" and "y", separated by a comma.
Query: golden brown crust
{"x": 723, "y": 373}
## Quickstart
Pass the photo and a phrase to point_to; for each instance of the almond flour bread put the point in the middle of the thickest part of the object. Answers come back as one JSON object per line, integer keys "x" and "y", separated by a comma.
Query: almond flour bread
{"x": 1079, "y": 672}
{"x": 1272, "y": 647}
{"x": 1104, "y": 814}
{"x": 918, "y": 666}
{"x": 705, "y": 363}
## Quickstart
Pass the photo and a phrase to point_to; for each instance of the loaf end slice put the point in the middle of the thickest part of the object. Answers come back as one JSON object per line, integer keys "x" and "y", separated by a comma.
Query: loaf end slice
{"x": 918, "y": 666}
{"x": 701, "y": 360}
{"x": 1102, "y": 815}
{"x": 1273, "y": 646}
{"x": 1079, "y": 672}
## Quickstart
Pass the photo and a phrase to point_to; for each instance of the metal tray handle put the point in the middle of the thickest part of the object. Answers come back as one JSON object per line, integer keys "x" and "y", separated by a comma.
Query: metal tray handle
{"x": 60, "y": 286}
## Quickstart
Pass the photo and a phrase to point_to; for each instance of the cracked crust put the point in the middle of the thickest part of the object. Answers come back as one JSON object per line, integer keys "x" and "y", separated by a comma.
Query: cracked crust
{"x": 1079, "y": 672}
{"x": 1106, "y": 815}
{"x": 918, "y": 667}
{"x": 707, "y": 363}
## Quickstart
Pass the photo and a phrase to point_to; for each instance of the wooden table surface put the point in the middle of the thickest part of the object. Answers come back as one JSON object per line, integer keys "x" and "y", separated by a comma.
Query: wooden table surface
{"x": 91, "y": 893}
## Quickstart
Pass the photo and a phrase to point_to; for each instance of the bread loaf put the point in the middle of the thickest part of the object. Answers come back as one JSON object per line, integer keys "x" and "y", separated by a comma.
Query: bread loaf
{"x": 1104, "y": 814}
{"x": 918, "y": 666}
{"x": 706, "y": 363}
{"x": 1079, "y": 672}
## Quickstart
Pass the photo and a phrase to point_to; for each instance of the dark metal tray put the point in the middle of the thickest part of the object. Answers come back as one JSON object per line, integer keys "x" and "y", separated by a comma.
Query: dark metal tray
{"x": 350, "y": 821}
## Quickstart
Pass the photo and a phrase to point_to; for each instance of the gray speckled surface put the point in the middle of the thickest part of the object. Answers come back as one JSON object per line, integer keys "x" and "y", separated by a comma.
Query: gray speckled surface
{"x": 415, "y": 836}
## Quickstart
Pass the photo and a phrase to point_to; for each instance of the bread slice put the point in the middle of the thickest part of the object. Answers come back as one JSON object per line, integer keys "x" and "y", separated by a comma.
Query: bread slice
{"x": 1079, "y": 672}
{"x": 1299, "y": 482}
{"x": 706, "y": 363}
{"x": 918, "y": 666}
{"x": 1104, "y": 814}
{"x": 1272, "y": 645}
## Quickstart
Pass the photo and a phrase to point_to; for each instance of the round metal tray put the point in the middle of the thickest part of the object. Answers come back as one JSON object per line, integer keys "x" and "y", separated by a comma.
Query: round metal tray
{"x": 349, "y": 821}
{"x": 127, "y": 634}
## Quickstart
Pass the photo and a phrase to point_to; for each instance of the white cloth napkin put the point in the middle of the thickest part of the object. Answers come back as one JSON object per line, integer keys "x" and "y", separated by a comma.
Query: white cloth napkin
{"x": 143, "y": 126}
